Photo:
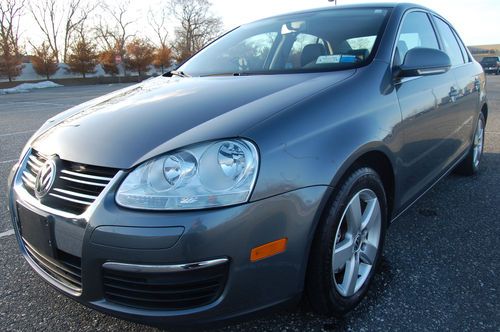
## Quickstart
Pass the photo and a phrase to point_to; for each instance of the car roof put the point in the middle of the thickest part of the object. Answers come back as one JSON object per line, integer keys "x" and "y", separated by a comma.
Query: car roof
{"x": 399, "y": 5}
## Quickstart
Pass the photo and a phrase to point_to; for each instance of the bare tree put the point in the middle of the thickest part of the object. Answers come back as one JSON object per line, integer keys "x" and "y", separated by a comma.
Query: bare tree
{"x": 59, "y": 19}
{"x": 10, "y": 54}
{"x": 158, "y": 22}
{"x": 76, "y": 15}
{"x": 197, "y": 26}
{"x": 114, "y": 33}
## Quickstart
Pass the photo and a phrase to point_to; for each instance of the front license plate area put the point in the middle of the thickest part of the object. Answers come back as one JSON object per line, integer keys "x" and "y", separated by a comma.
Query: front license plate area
{"x": 37, "y": 231}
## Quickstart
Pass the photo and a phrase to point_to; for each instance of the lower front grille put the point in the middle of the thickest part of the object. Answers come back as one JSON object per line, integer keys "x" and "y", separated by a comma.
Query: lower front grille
{"x": 165, "y": 291}
{"x": 66, "y": 269}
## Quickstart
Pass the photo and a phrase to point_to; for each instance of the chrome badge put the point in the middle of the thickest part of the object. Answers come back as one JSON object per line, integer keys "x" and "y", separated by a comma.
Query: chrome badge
{"x": 45, "y": 178}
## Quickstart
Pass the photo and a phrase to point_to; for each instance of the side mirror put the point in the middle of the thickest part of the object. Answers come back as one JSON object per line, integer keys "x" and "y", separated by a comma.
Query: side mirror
{"x": 424, "y": 61}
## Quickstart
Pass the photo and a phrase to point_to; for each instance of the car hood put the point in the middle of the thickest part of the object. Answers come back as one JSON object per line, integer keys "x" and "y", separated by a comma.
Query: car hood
{"x": 131, "y": 125}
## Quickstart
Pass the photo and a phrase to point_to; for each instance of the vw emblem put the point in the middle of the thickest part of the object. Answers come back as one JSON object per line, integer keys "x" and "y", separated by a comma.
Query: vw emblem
{"x": 45, "y": 178}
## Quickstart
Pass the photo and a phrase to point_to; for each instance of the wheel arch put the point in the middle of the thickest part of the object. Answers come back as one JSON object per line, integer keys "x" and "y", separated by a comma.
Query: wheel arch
{"x": 379, "y": 158}
{"x": 376, "y": 156}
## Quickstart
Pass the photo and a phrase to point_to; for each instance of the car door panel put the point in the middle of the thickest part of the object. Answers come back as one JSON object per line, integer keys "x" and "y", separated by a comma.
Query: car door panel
{"x": 427, "y": 106}
{"x": 427, "y": 119}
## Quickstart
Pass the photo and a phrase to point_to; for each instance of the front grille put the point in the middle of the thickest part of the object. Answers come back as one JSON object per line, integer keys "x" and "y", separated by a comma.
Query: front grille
{"x": 165, "y": 291}
{"x": 76, "y": 186}
{"x": 66, "y": 269}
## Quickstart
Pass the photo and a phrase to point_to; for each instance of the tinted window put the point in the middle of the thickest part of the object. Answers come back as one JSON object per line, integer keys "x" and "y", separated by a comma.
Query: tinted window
{"x": 450, "y": 42}
{"x": 301, "y": 42}
{"x": 416, "y": 31}
{"x": 334, "y": 39}
{"x": 250, "y": 53}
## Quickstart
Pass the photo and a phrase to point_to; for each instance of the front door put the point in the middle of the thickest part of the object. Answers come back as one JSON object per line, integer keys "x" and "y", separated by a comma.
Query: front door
{"x": 427, "y": 105}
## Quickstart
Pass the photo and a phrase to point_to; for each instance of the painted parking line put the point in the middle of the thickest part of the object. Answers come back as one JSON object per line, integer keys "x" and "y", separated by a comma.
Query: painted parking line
{"x": 7, "y": 233}
{"x": 8, "y": 161}
{"x": 17, "y": 133}
{"x": 38, "y": 103}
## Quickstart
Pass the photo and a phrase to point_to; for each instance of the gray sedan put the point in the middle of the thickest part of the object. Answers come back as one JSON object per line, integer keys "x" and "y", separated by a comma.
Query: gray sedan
{"x": 267, "y": 166}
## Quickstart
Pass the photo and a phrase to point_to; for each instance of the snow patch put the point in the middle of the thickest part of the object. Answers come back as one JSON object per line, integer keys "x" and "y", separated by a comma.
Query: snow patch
{"x": 27, "y": 87}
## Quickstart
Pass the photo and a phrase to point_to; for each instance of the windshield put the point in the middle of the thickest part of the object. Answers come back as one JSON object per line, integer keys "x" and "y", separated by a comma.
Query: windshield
{"x": 316, "y": 41}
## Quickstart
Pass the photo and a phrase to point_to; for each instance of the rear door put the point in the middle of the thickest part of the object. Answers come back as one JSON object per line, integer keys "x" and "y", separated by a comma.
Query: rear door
{"x": 468, "y": 84}
{"x": 427, "y": 105}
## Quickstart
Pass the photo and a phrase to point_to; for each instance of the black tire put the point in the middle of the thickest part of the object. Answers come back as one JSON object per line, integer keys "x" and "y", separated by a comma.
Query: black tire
{"x": 468, "y": 166}
{"x": 321, "y": 290}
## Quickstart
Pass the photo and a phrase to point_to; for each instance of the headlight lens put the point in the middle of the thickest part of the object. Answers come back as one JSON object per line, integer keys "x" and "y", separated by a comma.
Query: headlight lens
{"x": 202, "y": 176}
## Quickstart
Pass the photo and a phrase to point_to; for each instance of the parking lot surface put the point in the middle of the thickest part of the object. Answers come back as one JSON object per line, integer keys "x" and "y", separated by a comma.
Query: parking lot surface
{"x": 440, "y": 271}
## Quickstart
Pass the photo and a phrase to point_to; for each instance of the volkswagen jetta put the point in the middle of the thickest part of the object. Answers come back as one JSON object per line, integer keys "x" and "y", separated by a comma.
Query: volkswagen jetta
{"x": 268, "y": 165}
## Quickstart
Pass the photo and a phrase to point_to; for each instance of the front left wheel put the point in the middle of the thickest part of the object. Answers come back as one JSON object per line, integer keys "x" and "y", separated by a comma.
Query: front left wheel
{"x": 348, "y": 244}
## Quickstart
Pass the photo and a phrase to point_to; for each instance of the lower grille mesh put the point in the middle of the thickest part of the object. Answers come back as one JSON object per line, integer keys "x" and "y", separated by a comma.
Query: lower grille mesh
{"x": 66, "y": 268}
{"x": 165, "y": 291}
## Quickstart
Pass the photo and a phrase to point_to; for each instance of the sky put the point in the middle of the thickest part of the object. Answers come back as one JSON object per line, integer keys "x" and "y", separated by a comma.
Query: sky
{"x": 477, "y": 21}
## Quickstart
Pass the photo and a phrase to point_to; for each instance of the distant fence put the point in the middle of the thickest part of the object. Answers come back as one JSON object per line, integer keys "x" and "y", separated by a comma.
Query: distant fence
{"x": 81, "y": 81}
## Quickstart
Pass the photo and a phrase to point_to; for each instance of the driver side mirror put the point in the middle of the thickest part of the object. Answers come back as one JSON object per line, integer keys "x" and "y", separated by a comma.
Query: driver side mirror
{"x": 423, "y": 62}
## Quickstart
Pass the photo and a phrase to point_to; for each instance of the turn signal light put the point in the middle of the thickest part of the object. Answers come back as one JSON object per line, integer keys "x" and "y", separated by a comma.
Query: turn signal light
{"x": 268, "y": 250}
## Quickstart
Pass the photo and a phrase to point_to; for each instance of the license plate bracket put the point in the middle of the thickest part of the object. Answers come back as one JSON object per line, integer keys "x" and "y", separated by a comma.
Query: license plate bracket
{"x": 37, "y": 230}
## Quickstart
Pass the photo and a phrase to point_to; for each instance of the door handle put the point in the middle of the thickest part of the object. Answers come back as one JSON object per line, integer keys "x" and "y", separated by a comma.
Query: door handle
{"x": 453, "y": 94}
{"x": 477, "y": 84}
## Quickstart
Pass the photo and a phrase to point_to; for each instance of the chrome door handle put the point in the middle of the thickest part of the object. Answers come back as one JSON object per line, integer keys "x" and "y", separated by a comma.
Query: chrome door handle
{"x": 477, "y": 84}
{"x": 453, "y": 94}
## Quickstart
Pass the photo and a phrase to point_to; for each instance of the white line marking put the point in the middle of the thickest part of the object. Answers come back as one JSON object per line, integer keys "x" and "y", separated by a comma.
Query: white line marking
{"x": 17, "y": 133}
{"x": 7, "y": 233}
{"x": 39, "y": 103}
{"x": 7, "y": 161}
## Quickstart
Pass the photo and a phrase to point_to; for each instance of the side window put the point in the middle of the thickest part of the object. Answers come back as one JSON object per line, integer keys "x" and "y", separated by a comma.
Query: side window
{"x": 450, "y": 42}
{"x": 416, "y": 31}
{"x": 305, "y": 48}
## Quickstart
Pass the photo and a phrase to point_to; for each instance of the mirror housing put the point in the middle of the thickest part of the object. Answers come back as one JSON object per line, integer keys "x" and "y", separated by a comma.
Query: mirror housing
{"x": 422, "y": 61}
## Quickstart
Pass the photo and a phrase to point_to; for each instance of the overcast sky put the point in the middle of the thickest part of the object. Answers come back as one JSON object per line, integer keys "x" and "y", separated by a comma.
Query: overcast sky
{"x": 477, "y": 21}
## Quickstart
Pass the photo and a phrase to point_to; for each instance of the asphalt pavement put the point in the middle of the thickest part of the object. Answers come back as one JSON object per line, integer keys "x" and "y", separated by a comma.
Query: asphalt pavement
{"x": 440, "y": 271}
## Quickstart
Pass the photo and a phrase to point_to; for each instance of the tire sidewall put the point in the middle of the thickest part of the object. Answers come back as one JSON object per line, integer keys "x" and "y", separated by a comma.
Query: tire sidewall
{"x": 364, "y": 178}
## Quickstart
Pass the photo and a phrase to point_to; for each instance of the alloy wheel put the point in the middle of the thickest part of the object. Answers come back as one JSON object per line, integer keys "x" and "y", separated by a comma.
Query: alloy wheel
{"x": 356, "y": 242}
{"x": 478, "y": 142}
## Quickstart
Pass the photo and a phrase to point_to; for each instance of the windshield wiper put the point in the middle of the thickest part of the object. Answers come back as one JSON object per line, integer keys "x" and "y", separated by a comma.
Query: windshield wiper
{"x": 179, "y": 73}
{"x": 229, "y": 74}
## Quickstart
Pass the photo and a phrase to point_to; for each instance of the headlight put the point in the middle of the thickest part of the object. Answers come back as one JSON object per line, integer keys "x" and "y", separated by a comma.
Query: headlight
{"x": 201, "y": 176}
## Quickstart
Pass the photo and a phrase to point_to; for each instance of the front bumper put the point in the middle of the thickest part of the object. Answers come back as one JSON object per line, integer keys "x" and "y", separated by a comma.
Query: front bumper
{"x": 108, "y": 234}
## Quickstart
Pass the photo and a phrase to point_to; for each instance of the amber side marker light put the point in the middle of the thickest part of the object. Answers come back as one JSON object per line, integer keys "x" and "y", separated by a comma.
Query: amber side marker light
{"x": 268, "y": 250}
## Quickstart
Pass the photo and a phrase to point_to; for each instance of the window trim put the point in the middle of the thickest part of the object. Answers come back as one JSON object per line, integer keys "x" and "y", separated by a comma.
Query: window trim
{"x": 454, "y": 33}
